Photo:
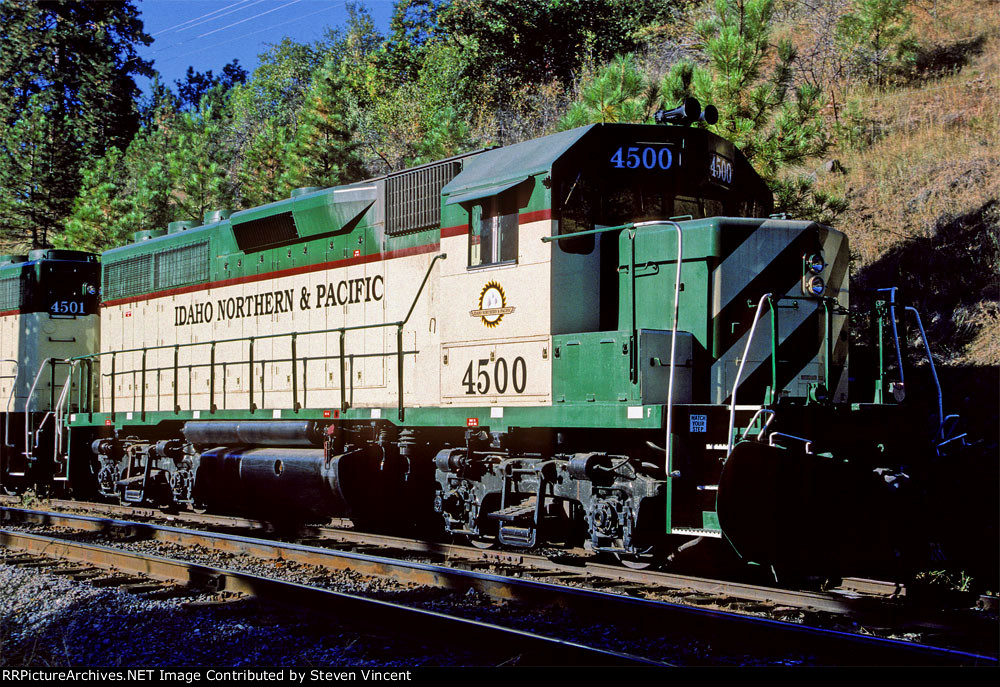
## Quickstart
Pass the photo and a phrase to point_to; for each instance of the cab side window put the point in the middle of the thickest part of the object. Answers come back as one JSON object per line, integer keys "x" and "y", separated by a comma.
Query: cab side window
{"x": 493, "y": 231}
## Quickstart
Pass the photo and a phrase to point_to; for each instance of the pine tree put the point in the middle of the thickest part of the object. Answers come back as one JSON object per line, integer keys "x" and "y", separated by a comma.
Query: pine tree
{"x": 875, "y": 35}
{"x": 99, "y": 212}
{"x": 39, "y": 163}
{"x": 66, "y": 94}
{"x": 324, "y": 152}
{"x": 773, "y": 123}
{"x": 263, "y": 164}
{"x": 197, "y": 164}
{"x": 619, "y": 92}
{"x": 122, "y": 193}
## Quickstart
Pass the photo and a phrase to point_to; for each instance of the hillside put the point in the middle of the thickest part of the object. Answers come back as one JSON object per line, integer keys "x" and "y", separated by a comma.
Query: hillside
{"x": 918, "y": 163}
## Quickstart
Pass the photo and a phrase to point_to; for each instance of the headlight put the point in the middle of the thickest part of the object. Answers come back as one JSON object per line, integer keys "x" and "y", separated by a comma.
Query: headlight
{"x": 815, "y": 263}
{"x": 815, "y": 286}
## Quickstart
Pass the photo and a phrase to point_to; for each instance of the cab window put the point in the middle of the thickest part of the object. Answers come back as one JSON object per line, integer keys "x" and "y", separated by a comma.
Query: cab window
{"x": 493, "y": 231}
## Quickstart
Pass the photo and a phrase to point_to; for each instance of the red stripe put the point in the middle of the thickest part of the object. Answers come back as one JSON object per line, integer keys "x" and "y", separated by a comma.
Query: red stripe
{"x": 291, "y": 271}
{"x": 446, "y": 232}
{"x": 5, "y": 313}
{"x": 524, "y": 218}
{"x": 535, "y": 216}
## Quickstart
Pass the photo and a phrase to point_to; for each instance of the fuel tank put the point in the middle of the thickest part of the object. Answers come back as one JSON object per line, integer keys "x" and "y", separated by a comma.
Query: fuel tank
{"x": 291, "y": 483}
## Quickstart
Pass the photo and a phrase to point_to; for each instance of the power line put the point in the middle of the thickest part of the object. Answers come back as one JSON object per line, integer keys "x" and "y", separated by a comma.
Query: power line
{"x": 205, "y": 21}
{"x": 245, "y": 35}
{"x": 239, "y": 9}
{"x": 249, "y": 18}
{"x": 184, "y": 23}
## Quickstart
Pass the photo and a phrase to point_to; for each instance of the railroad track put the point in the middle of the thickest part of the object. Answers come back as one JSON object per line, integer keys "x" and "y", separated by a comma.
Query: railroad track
{"x": 143, "y": 573}
{"x": 737, "y": 633}
{"x": 854, "y": 596}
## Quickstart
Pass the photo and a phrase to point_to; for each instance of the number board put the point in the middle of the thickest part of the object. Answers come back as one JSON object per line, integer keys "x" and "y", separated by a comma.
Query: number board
{"x": 648, "y": 156}
{"x": 514, "y": 372}
{"x": 720, "y": 169}
{"x": 665, "y": 157}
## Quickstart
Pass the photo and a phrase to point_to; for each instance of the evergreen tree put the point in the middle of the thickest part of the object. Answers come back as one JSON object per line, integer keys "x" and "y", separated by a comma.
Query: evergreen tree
{"x": 324, "y": 152}
{"x": 261, "y": 175}
{"x": 875, "y": 35}
{"x": 66, "y": 94}
{"x": 196, "y": 85}
{"x": 147, "y": 181}
{"x": 122, "y": 193}
{"x": 83, "y": 55}
{"x": 198, "y": 162}
{"x": 39, "y": 177}
{"x": 510, "y": 44}
{"x": 772, "y": 122}
{"x": 619, "y": 92}
{"x": 99, "y": 213}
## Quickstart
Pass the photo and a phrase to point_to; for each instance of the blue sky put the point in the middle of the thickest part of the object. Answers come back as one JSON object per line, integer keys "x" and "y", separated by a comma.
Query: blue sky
{"x": 208, "y": 34}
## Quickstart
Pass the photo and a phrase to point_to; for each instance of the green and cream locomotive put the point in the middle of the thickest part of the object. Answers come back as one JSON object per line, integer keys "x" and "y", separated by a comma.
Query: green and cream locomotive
{"x": 600, "y": 336}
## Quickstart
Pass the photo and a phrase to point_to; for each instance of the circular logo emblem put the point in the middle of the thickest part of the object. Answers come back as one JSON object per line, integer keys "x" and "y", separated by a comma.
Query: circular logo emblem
{"x": 492, "y": 305}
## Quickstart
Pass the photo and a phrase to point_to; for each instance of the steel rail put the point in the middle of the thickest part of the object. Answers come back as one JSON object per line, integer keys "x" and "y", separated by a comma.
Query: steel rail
{"x": 658, "y": 581}
{"x": 742, "y": 629}
{"x": 531, "y": 648}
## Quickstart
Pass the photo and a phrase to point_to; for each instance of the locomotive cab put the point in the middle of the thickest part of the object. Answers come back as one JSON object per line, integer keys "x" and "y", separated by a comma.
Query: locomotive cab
{"x": 48, "y": 313}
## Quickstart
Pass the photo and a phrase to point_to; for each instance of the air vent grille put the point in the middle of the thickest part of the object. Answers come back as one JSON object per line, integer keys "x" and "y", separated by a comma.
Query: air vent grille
{"x": 413, "y": 199}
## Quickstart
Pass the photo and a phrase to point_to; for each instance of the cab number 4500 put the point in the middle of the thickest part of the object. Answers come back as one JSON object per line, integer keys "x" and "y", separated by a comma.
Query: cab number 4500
{"x": 499, "y": 376}
{"x": 647, "y": 157}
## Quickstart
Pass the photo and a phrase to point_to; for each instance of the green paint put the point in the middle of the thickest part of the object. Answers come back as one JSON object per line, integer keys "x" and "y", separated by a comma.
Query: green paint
{"x": 596, "y": 416}
{"x": 710, "y": 520}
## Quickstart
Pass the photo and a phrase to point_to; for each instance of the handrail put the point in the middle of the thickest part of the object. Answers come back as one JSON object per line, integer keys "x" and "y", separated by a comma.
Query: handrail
{"x": 930, "y": 359}
{"x": 589, "y": 232}
{"x": 10, "y": 398}
{"x": 767, "y": 423}
{"x": 673, "y": 333}
{"x": 59, "y": 422}
{"x": 27, "y": 404}
{"x": 895, "y": 332}
{"x": 739, "y": 372}
{"x": 399, "y": 324}
{"x": 632, "y": 227}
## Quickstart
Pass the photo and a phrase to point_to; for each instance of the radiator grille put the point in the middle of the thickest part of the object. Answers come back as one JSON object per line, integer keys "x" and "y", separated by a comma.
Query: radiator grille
{"x": 182, "y": 266}
{"x": 413, "y": 199}
{"x": 129, "y": 277}
{"x": 10, "y": 292}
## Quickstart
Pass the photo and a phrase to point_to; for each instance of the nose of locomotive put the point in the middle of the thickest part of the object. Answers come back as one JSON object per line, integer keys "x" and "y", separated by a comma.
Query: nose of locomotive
{"x": 803, "y": 512}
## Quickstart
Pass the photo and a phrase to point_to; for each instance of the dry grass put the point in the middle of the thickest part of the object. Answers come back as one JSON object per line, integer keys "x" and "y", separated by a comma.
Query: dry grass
{"x": 940, "y": 22}
{"x": 923, "y": 185}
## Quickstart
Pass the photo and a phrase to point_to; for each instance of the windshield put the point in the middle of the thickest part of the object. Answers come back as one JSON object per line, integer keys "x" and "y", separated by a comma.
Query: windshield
{"x": 589, "y": 203}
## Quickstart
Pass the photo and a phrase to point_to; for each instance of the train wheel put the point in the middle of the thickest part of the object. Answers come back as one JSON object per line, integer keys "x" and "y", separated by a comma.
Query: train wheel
{"x": 651, "y": 558}
{"x": 481, "y": 542}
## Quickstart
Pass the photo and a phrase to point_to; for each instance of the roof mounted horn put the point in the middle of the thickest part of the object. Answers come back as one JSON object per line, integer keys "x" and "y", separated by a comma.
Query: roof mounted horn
{"x": 688, "y": 113}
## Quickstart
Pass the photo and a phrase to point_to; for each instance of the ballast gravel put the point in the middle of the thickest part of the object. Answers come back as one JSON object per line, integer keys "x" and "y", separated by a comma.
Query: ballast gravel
{"x": 49, "y": 619}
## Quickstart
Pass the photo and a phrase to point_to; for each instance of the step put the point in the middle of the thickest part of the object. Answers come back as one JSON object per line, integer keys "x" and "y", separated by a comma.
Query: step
{"x": 523, "y": 512}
